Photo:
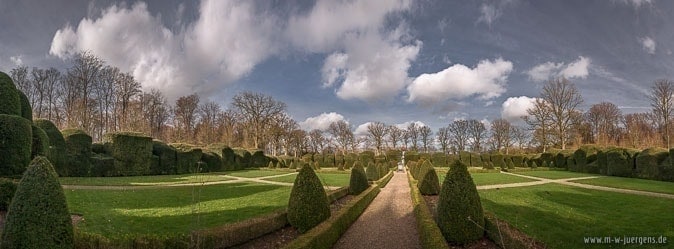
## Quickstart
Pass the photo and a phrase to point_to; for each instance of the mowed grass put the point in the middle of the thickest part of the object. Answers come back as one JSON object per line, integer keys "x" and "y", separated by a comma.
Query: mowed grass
{"x": 328, "y": 179}
{"x": 143, "y": 180}
{"x": 554, "y": 174}
{"x": 173, "y": 210}
{"x": 253, "y": 173}
{"x": 631, "y": 183}
{"x": 488, "y": 178}
{"x": 561, "y": 216}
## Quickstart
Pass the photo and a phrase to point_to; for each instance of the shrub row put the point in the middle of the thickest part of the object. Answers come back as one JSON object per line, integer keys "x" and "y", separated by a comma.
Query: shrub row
{"x": 430, "y": 235}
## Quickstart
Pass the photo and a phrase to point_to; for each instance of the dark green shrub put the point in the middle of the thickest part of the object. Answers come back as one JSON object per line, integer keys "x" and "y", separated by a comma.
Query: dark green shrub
{"x": 372, "y": 172}
{"x": 560, "y": 160}
{"x": 102, "y": 165}
{"x": 583, "y": 156}
{"x": 534, "y": 164}
{"x": 38, "y": 216}
{"x": 350, "y": 158}
{"x": 258, "y": 159}
{"x": 78, "y": 150}
{"x": 26, "y": 109}
{"x": 10, "y": 103}
{"x": 518, "y": 161}
{"x": 214, "y": 162}
{"x": 7, "y": 189}
{"x": 464, "y": 157}
{"x": 328, "y": 160}
{"x": 476, "y": 160}
{"x": 439, "y": 159}
{"x": 547, "y": 157}
{"x": 460, "y": 214}
{"x": 510, "y": 164}
{"x": 570, "y": 162}
{"x": 308, "y": 205}
{"x": 498, "y": 160}
{"x": 486, "y": 159}
{"x": 187, "y": 157}
{"x": 40, "y": 145}
{"x": 132, "y": 152}
{"x": 667, "y": 169}
{"x": 620, "y": 162}
{"x": 358, "y": 181}
{"x": 57, "y": 145}
{"x": 16, "y": 139}
{"x": 242, "y": 159}
{"x": 488, "y": 165}
{"x": 307, "y": 158}
{"x": 429, "y": 183}
{"x": 601, "y": 161}
{"x": 100, "y": 148}
{"x": 340, "y": 167}
{"x": 167, "y": 156}
{"x": 412, "y": 156}
{"x": 271, "y": 165}
{"x": 648, "y": 162}
{"x": 229, "y": 158}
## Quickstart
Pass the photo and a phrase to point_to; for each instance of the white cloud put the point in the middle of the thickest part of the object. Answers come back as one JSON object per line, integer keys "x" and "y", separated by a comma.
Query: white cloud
{"x": 321, "y": 122}
{"x": 487, "y": 80}
{"x": 515, "y": 107}
{"x": 637, "y": 3}
{"x": 488, "y": 13}
{"x": 225, "y": 42}
{"x": 361, "y": 130}
{"x": 648, "y": 44}
{"x": 403, "y": 126}
{"x": 575, "y": 69}
{"x": 17, "y": 60}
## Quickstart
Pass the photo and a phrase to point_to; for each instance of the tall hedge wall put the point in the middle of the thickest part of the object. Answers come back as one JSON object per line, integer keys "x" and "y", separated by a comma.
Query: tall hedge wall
{"x": 16, "y": 139}
{"x": 57, "y": 145}
{"x": 132, "y": 152}
{"x": 648, "y": 163}
{"x": 10, "y": 103}
{"x": 187, "y": 158}
{"x": 78, "y": 151}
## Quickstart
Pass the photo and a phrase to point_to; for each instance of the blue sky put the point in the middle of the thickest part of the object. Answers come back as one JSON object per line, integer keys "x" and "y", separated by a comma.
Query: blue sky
{"x": 394, "y": 61}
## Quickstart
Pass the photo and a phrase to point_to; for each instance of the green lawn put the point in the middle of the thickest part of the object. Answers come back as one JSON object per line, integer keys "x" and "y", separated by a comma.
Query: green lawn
{"x": 142, "y": 180}
{"x": 328, "y": 179}
{"x": 555, "y": 174}
{"x": 253, "y": 173}
{"x": 489, "y": 178}
{"x": 561, "y": 216}
{"x": 631, "y": 183}
{"x": 175, "y": 210}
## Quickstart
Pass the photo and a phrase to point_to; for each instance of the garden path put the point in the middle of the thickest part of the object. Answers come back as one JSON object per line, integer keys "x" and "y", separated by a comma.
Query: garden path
{"x": 388, "y": 222}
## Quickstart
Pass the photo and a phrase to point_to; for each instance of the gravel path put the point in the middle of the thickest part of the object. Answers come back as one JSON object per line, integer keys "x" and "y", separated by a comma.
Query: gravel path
{"x": 388, "y": 222}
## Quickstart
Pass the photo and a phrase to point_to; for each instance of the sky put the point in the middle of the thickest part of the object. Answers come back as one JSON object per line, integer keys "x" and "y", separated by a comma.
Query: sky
{"x": 394, "y": 61}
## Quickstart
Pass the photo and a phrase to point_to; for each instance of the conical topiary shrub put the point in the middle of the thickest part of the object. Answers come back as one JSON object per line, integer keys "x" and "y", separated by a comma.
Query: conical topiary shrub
{"x": 308, "y": 205}
{"x": 38, "y": 215}
{"x": 429, "y": 183}
{"x": 358, "y": 182}
{"x": 460, "y": 215}
{"x": 10, "y": 103}
{"x": 372, "y": 172}
{"x": 16, "y": 139}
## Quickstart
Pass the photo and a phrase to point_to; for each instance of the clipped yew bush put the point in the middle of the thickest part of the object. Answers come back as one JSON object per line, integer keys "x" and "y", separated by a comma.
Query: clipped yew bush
{"x": 78, "y": 151}
{"x": 428, "y": 183}
{"x": 620, "y": 162}
{"x": 38, "y": 216}
{"x": 518, "y": 160}
{"x": 57, "y": 145}
{"x": 358, "y": 181}
{"x": 26, "y": 109}
{"x": 242, "y": 158}
{"x": 498, "y": 160}
{"x": 7, "y": 190}
{"x": 10, "y": 103}
{"x": 187, "y": 158}
{"x": 372, "y": 172}
{"x": 40, "y": 144}
{"x": 583, "y": 156}
{"x": 16, "y": 139}
{"x": 308, "y": 205}
{"x": 258, "y": 159}
{"x": 648, "y": 161}
{"x": 167, "y": 157}
{"x": 102, "y": 165}
{"x": 460, "y": 214}
{"x": 213, "y": 161}
{"x": 132, "y": 152}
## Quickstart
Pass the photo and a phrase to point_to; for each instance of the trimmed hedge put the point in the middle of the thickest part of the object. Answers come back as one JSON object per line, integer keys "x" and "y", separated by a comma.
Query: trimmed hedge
{"x": 78, "y": 150}
{"x": 499, "y": 160}
{"x": 38, "y": 216}
{"x": 132, "y": 153}
{"x": 7, "y": 190}
{"x": 214, "y": 162}
{"x": 16, "y": 139}
{"x": 648, "y": 161}
{"x": 308, "y": 205}
{"x": 167, "y": 157}
{"x": 40, "y": 145}
{"x": 258, "y": 159}
{"x": 476, "y": 160}
{"x": 242, "y": 158}
{"x": 102, "y": 165}
{"x": 460, "y": 215}
{"x": 584, "y": 156}
{"x": 372, "y": 172}
{"x": 429, "y": 183}
{"x": 57, "y": 145}
{"x": 620, "y": 162}
{"x": 10, "y": 103}
{"x": 430, "y": 235}
{"x": 358, "y": 180}
{"x": 187, "y": 158}
{"x": 26, "y": 110}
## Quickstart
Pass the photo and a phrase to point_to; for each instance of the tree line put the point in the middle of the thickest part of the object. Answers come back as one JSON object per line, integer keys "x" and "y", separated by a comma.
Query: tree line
{"x": 99, "y": 98}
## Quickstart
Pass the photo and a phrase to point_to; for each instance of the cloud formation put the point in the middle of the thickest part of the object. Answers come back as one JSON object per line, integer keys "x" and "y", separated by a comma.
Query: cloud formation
{"x": 515, "y": 107}
{"x": 648, "y": 44}
{"x": 488, "y": 13}
{"x": 321, "y": 122}
{"x": 575, "y": 69}
{"x": 487, "y": 80}
{"x": 17, "y": 60}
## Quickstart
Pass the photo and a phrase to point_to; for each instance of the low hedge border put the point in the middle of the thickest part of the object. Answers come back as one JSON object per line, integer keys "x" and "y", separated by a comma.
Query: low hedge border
{"x": 429, "y": 232}
{"x": 506, "y": 238}
{"x": 384, "y": 180}
{"x": 328, "y": 232}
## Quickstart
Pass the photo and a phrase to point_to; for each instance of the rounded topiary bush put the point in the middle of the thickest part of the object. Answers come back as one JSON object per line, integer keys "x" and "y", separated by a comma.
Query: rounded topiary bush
{"x": 40, "y": 145}
{"x": 57, "y": 145}
{"x": 498, "y": 160}
{"x": 7, "y": 189}
{"x": 213, "y": 161}
{"x": 78, "y": 150}
{"x": 38, "y": 216}
{"x": 26, "y": 109}
{"x": 10, "y": 102}
{"x": 358, "y": 181}
{"x": 460, "y": 214}
{"x": 167, "y": 156}
{"x": 429, "y": 183}
{"x": 308, "y": 205}
{"x": 620, "y": 162}
{"x": 647, "y": 163}
{"x": 258, "y": 159}
{"x": 372, "y": 172}
{"x": 16, "y": 139}
{"x": 132, "y": 152}
{"x": 242, "y": 158}
{"x": 187, "y": 157}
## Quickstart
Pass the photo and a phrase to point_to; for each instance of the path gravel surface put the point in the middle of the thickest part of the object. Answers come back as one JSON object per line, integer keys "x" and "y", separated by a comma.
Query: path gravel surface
{"x": 388, "y": 222}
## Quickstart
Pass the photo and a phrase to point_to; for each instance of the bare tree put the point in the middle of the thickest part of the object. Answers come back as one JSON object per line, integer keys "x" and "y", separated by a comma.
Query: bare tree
{"x": 501, "y": 134}
{"x": 477, "y": 133}
{"x": 425, "y": 135}
{"x": 317, "y": 140}
{"x": 413, "y": 134}
{"x": 83, "y": 75}
{"x": 443, "y": 138}
{"x": 604, "y": 119}
{"x": 395, "y": 135}
{"x": 563, "y": 99}
{"x": 663, "y": 106}
{"x": 185, "y": 113}
{"x": 540, "y": 120}
{"x": 227, "y": 123}
{"x": 458, "y": 131}
{"x": 639, "y": 129}
{"x": 342, "y": 134}
{"x": 208, "y": 117}
{"x": 377, "y": 131}
{"x": 155, "y": 112}
{"x": 520, "y": 136}
{"x": 257, "y": 111}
